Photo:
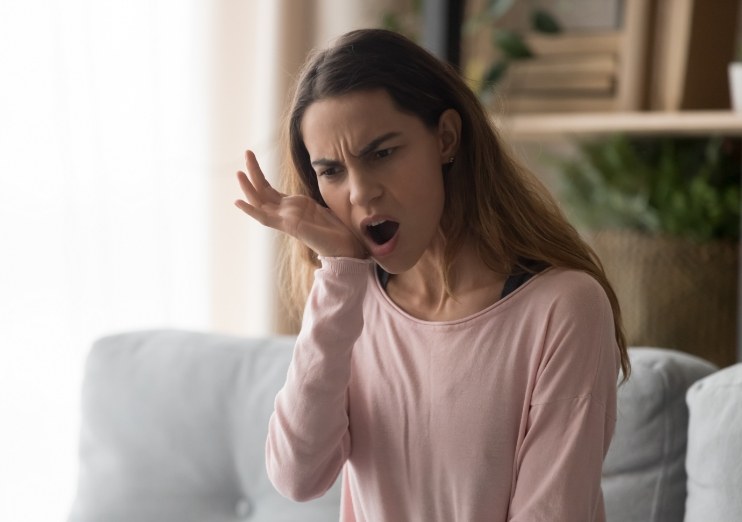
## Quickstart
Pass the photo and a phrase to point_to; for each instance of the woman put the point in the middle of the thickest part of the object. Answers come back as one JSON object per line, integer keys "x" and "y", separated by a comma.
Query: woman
{"x": 460, "y": 344}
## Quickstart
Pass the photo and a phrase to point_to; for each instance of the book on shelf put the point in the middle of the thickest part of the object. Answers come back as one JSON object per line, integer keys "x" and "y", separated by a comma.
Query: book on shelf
{"x": 567, "y": 75}
{"x": 585, "y": 82}
{"x": 597, "y": 63}
{"x": 574, "y": 42}
{"x": 526, "y": 103}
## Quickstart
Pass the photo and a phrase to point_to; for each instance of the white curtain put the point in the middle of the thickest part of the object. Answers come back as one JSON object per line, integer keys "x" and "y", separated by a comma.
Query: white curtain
{"x": 104, "y": 213}
{"x": 122, "y": 123}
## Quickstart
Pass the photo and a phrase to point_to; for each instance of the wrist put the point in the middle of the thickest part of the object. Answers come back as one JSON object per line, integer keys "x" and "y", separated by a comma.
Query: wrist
{"x": 354, "y": 250}
{"x": 344, "y": 265}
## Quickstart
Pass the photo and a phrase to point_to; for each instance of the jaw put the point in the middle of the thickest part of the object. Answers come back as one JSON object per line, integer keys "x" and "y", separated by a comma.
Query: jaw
{"x": 428, "y": 264}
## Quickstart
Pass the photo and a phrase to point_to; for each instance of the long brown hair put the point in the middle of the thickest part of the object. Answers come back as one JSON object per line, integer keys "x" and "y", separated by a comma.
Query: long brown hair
{"x": 488, "y": 196}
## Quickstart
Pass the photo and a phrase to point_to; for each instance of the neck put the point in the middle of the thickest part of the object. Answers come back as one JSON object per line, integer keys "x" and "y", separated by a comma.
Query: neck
{"x": 422, "y": 290}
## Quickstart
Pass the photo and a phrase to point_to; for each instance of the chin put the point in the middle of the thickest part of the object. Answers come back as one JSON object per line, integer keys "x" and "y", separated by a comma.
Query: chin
{"x": 394, "y": 266}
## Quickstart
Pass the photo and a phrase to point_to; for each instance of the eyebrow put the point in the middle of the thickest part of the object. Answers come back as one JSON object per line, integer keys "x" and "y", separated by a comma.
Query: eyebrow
{"x": 365, "y": 150}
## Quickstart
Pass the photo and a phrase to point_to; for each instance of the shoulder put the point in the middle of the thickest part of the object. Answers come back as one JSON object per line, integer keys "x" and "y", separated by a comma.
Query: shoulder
{"x": 579, "y": 355}
{"x": 575, "y": 315}
{"x": 567, "y": 281}
{"x": 566, "y": 290}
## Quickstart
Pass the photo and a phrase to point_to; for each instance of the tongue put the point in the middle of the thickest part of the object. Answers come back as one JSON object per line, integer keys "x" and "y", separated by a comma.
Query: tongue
{"x": 383, "y": 232}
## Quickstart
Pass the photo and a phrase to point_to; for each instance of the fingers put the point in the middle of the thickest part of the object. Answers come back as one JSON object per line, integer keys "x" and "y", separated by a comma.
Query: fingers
{"x": 260, "y": 183}
{"x": 257, "y": 178}
{"x": 254, "y": 206}
{"x": 252, "y": 195}
{"x": 253, "y": 168}
{"x": 266, "y": 218}
{"x": 262, "y": 200}
{"x": 251, "y": 211}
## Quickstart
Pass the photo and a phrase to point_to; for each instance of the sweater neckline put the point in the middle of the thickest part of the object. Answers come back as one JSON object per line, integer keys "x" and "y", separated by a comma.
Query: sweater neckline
{"x": 497, "y": 305}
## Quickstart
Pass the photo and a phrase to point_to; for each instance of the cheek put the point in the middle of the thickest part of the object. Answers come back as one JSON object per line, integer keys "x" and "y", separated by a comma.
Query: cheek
{"x": 439, "y": 198}
{"x": 435, "y": 194}
{"x": 334, "y": 199}
{"x": 431, "y": 183}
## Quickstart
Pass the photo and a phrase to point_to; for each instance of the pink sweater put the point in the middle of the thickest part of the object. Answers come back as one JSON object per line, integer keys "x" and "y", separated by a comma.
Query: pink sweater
{"x": 503, "y": 415}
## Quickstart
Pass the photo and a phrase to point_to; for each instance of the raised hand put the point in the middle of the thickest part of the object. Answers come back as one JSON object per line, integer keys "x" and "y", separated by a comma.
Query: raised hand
{"x": 299, "y": 216}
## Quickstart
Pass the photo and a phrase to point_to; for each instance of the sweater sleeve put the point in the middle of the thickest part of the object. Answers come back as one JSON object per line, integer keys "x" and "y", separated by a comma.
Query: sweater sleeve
{"x": 572, "y": 412}
{"x": 308, "y": 437}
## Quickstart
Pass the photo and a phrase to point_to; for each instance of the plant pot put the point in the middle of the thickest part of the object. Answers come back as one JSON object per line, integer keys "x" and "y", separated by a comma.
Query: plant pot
{"x": 674, "y": 293}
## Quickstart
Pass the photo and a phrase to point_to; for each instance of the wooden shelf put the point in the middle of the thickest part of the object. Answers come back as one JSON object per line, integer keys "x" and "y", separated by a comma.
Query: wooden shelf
{"x": 534, "y": 127}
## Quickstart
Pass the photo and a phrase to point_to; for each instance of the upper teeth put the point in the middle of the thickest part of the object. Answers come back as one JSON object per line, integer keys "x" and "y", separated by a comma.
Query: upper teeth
{"x": 374, "y": 223}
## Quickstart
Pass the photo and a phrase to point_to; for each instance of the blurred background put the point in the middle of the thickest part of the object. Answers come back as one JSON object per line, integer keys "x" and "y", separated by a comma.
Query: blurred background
{"x": 122, "y": 124}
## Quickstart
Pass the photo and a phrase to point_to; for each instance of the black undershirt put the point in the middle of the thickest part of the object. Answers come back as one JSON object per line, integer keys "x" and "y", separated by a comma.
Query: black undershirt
{"x": 513, "y": 282}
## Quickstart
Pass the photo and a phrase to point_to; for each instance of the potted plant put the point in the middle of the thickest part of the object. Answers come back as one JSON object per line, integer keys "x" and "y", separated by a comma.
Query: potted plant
{"x": 510, "y": 44}
{"x": 663, "y": 214}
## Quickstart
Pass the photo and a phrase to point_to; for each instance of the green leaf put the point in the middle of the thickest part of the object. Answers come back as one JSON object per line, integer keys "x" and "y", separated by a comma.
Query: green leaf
{"x": 544, "y": 22}
{"x": 476, "y": 22}
{"x": 390, "y": 22}
{"x": 494, "y": 74}
{"x": 731, "y": 198}
{"x": 676, "y": 185}
{"x": 512, "y": 44}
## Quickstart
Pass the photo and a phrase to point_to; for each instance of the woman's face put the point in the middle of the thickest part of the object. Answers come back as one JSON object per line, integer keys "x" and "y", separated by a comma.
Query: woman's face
{"x": 380, "y": 172}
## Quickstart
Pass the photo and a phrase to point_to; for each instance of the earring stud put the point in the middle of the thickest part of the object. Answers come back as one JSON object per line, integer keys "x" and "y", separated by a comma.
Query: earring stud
{"x": 450, "y": 160}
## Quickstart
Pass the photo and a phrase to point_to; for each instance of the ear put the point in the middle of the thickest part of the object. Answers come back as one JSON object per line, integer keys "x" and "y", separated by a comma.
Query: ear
{"x": 449, "y": 134}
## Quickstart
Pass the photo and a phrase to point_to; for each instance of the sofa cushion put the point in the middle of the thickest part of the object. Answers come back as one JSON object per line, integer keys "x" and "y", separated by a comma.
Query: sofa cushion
{"x": 173, "y": 429}
{"x": 714, "y": 458}
{"x": 643, "y": 473}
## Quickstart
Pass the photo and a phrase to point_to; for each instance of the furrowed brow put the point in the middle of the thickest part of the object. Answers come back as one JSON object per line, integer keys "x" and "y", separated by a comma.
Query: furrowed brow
{"x": 376, "y": 142}
{"x": 325, "y": 162}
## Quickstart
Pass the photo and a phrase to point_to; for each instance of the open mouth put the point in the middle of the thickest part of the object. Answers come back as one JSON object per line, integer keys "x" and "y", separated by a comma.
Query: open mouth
{"x": 382, "y": 231}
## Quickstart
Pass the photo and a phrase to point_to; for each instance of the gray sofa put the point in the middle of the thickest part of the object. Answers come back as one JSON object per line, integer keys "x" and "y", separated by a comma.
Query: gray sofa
{"x": 174, "y": 426}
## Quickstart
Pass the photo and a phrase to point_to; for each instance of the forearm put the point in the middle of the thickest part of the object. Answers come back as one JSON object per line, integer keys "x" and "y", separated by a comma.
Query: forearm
{"x": 308, "y": 438}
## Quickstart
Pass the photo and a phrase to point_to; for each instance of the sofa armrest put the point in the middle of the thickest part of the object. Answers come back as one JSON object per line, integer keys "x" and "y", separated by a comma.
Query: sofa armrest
{"x": 174, "y": 425}
{"x": 643, "y": 473}
{"x": 714, "y": 458}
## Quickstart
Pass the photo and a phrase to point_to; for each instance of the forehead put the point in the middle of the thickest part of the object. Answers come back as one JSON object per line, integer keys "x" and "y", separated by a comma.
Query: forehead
{"x": 352, "y": 120}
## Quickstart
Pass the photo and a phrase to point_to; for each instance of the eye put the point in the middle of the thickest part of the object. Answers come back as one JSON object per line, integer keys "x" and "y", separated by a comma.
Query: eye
{"x": 329, "y": 172}
{"x": 383, "y": 153}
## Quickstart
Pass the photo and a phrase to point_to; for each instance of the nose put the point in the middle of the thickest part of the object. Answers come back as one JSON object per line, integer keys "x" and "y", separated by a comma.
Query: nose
{"x": 363, "y": 187}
